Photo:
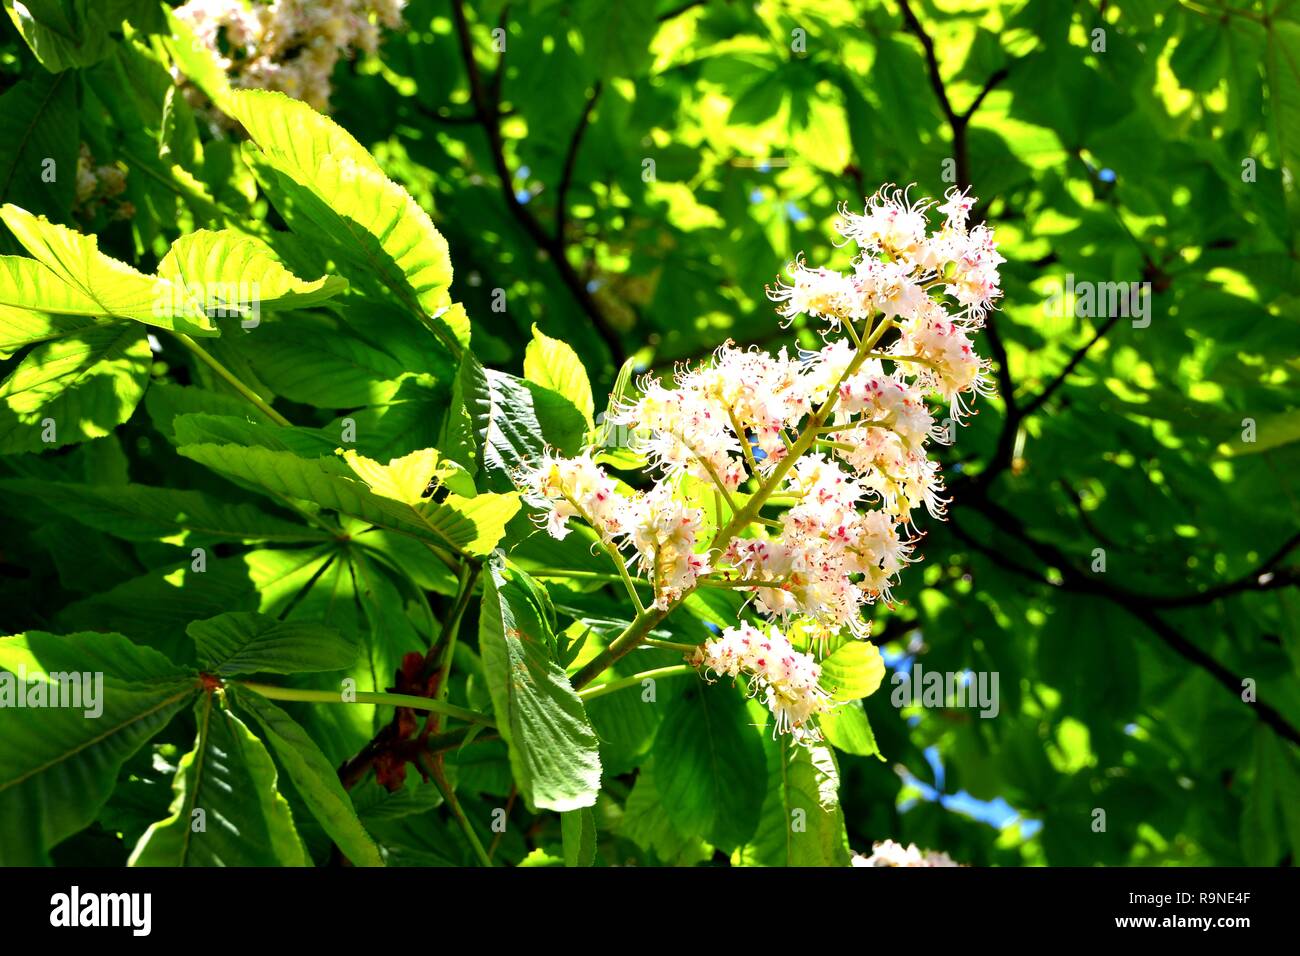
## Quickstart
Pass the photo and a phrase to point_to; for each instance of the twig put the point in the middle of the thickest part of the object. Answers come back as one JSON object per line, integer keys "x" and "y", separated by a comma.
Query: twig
{"x": 487, "y": 111}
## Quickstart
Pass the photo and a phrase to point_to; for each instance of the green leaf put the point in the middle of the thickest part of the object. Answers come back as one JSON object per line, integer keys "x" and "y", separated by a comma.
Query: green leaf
{"x": 802, "y": 822}
{"x": 504, "y": 422}
{"x": 86, "y": 384}
{"x": 241, "y": 642}
{"x": 646, "y": 824}
{"x": 38, "y": 138}
{"x": 709, "y": 765}
{"x": 849, "y": 730}
{"x": 553, "y": 749}
{"x": 154, "y": 608}
{"x": 204, "y": 428}
{"x": 19, "y": 327}
{"x": 227, "y": 810}
{"x": 315, "y": 779}
{"x": 617, "y": 36}
{"x": 1283, "y": 63}
{"x": 853, "y": 670}
{"x": 311, "y": 362}
{"x": 237, "y": 274}
{"x": 553, "y": 364}
{"x": 333, "y": 190}
{"x": 98, "y": 284}
{"x": 471, "y": 525}
{"x": 63, "y": 38}
{"x": 165, "y": 401}
{"x": 28, "y": 285}
{"x": 143, "y": 513}
{"x": 58, "y": 764}
{"x": 578, "y": 831}
{"x": 408, "y": 479}
{"x": 1271, "y": 431}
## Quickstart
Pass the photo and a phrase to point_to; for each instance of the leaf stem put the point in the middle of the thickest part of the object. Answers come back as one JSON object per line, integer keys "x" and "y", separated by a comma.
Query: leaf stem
{"x": 671, "y": 645}
{"x": 231, "y": 379}
{"x": 673, "y": 670}
{"x": 449, "y": 797}
{"x": 451, "y": 627}
{"x": 271, "y": 692}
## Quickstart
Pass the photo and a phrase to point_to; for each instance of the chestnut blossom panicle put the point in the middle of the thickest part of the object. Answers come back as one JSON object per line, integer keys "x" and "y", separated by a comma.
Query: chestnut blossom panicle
{"x": 889, "y": 853}
{"x": 787, "y": 680}
{"x": 797, "y": 479}
{"x": 291, "y": 46}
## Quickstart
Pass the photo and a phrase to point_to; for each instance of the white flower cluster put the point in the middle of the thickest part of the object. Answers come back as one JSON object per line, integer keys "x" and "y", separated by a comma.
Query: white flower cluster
{"x": 889, "y": 853}
{"x": 788, "y": 679}
{"x": 100, "y": 186}
{"x": 289, "y": 45}
{"x": 833, "y": 442}
{"x": 656, "y": 524}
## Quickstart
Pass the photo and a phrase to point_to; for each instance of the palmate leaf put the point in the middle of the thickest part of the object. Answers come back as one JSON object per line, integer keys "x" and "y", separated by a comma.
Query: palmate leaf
{"x": 313, "y": 776}
{"x": 86, "y": 383}
{"x": 238, "y": 270}
{"x": 406, "y": 479}
{"x": 469, "y": 525}
{"x": 329, "y": 187}
{"x": 144, "y": 513}
{"x": 227, "y": 810}
{"x": 96, "y": 284}
{"x": 166, "y": 402}
{"x": 28, "y": 284}
{"x": 341, "y": 586}
{"x": 246, "y": 643}
{"x": 155, "y": 607}
{"x": 553, "y": 749}
{"x": 205, "y": 273}
{"x": 205, "y": 428}
{"x": 58, "y": 765}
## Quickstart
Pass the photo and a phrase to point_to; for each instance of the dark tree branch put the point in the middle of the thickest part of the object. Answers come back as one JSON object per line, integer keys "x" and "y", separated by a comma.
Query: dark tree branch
{"x": 1038, "y": 400}
{"x": 1137, "y": 606}
{"x": 931, "y": 64}
{"x": 1266, "y": 577}
{"x": 455, "y": 119}
{"x": 957, "y": 125}
{"x": 994, "y": 79}
{"x": 487, "y": 111}
{"x": 570, "y": 161}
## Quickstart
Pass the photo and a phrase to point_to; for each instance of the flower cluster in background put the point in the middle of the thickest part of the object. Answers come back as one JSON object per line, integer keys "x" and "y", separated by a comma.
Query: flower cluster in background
{"x": 889, "y": 853}
{"x": 810, "y": 467}
{"x": 291, "y": 46}
{"x": 99, "y": 187}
